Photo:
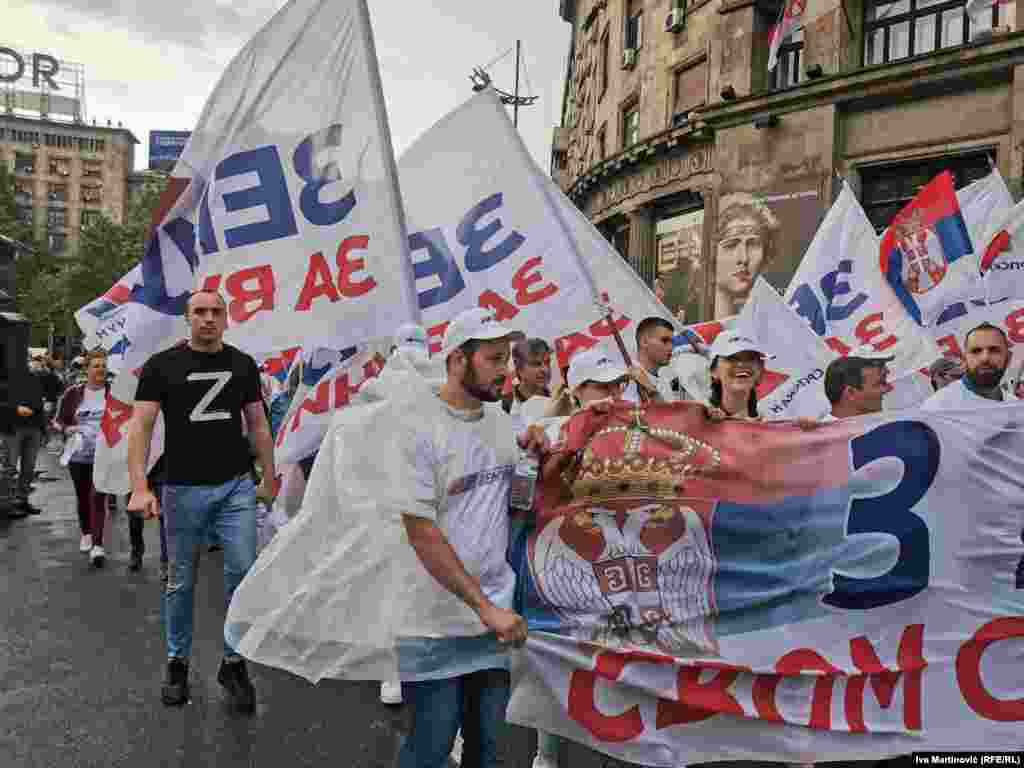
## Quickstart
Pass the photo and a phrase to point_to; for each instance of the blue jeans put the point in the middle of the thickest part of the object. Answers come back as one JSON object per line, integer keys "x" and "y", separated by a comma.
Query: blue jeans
{"x": 190, "y": 511}
{"x": 474, "y": 702}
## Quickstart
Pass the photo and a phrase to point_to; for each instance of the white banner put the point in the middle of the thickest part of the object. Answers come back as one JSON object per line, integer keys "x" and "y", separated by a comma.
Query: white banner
{"x": 503, "y": 236}
{"x": 804, "y": 596}
{"x": 793, "y": 383}
{"x": 840, "y": 291}
{"x": 285, "y": 200}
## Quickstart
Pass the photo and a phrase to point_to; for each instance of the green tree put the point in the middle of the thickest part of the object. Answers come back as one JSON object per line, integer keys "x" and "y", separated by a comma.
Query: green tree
{"x": 34, "y": 268}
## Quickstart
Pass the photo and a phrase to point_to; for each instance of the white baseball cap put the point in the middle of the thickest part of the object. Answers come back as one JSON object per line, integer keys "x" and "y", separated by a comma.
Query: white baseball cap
{"x": 593, "y": 365}
{"x": 729, "y": 343}
{"x": 868, "y": 352}
{"x": 412, "y": 338}
{"x": 479, "y": 324}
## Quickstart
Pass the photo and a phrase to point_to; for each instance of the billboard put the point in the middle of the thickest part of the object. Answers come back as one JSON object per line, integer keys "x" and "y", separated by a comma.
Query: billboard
{"x": 41, "y": 85}
{"x": 165, "y": 147}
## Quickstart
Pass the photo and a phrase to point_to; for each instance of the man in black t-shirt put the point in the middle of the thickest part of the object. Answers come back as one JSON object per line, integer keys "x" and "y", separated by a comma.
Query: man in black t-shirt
{"x": 203, "y": 388}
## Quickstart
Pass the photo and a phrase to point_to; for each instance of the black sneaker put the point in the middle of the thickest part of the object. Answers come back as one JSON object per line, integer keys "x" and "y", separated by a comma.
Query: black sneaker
{"x": 234, "y": 677}
{"x": 175, "y": 689}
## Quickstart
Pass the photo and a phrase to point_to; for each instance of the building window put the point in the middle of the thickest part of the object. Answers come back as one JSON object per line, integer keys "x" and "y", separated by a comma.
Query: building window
{"x": 99, "y": 145}
{"x": 58, "y": 242}
{"x": 679, "y": 239}
{"x": 899, "y": 29}
{"x": 58, "y": 193}
{"x": 604, "y": 54}
{"x": 89, "y": 218}
{"x": 23, "y": 192}
{"x": 24, "y": 163}
{"x": 630, "y": 126}
{"x": 620, "y": 241}
{"x": 56, "y": 217}
{"x": 787, "y": 69}
{"x": 689, "y": 90}
{"x": 886, "y": 189}
{"x": 602, "y": 143}
{"x": 634, "y": 24}
{"x": 24, "y": 213}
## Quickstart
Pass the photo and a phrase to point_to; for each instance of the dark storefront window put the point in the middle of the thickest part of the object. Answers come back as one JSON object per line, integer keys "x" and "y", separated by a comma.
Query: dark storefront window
{"x": 904, "y": 28}
{"x": 787, "y": 69}
{"x": 886, "y": 189}
{"x": 634, "y": 24}
{"x": 630, "y": 126}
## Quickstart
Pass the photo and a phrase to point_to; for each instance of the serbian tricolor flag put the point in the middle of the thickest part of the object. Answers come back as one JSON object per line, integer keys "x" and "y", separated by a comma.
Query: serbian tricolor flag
{"x": 795, "y": 15}
{"x": 1002, "y": 265}
{"x": 926, "y": 253}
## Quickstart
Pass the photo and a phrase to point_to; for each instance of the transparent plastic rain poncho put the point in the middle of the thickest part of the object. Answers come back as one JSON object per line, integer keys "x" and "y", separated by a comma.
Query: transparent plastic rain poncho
{"x": 340, "y": 582}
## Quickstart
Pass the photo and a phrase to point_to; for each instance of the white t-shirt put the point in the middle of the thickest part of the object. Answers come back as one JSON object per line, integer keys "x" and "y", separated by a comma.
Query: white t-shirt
{"x": 88, "y": 415}
{"x": 458, "y": 466}
{"x": 957, "y": 397}
{"x": 664, "y": 385}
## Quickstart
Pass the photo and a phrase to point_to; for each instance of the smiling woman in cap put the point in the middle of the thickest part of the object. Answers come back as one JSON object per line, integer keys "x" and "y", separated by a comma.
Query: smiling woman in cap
{"x": 737, "y": 364}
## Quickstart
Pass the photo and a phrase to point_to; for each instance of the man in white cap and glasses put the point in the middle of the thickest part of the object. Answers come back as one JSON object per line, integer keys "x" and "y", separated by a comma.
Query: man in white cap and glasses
{"x": 456, "y": 461}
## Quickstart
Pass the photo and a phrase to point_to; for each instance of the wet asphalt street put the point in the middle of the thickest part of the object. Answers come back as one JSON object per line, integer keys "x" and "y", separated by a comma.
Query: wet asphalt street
{"x": 82, "y": 659}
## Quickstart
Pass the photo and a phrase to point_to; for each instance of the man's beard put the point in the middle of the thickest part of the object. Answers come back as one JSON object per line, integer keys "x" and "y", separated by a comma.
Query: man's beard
{"x": 988, "y": 379}
{"x": 472, "y": 385}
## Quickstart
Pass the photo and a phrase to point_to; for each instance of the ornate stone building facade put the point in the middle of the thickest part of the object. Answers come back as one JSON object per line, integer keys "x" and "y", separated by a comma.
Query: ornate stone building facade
{"x": 706, "y": 170}
{"x": 67, "y": 174}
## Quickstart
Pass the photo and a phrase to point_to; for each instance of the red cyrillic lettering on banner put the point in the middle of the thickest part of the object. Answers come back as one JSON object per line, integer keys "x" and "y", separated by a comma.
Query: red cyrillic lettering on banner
{"x": 582, "y": 703}
{"x": 319, "y": 403}
{"x": 870, "y": 328}
{"x": 797, "y": 663}
{"x": 318, "y": 282}
{"x": 968, "y": 671}
{"x": 838, "y": 346}
{"x": 436, "y": 334}
{"x": 349, "y": 266}
{"x": 526, "y": 276}
{"x": 211, "y": 283}
{"x": 262, "y": 294}
{"x": 950, "y": 346}
{"x": 699, "y": 701}
{"x": 502, "y": 309}
{"x": 1015, "y": 326}
{"x": 909, "y": 661}
{"x": 115, "y": 415}
{"x": 566, "y": 346}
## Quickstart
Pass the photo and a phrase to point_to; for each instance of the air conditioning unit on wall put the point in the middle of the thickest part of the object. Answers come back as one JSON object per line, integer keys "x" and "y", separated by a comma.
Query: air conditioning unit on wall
{"x": 629, "y": 58}
{"x": 675, "y": 19}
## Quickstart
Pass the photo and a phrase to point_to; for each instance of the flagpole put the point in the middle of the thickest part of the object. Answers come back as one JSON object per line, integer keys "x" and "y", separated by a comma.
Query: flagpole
{"x": 574, "y": 248}
{"x": 389, "y": 157}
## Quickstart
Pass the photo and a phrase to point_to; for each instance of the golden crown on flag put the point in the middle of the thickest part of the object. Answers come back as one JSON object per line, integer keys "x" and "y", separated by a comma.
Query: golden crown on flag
{"x": 649, "y": 461}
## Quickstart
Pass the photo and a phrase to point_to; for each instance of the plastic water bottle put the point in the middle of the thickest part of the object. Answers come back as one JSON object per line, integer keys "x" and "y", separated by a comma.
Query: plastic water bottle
{"x": 524, "y": 482}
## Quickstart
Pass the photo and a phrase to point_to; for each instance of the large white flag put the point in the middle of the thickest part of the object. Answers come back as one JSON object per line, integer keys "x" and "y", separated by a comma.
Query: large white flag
{"x": 1002, "y": 264}
{"x": 840, "y": 291}
{"x": 503, "y": 236}
{"x": 285, "y": 199}
{"x": 793, "y": 384}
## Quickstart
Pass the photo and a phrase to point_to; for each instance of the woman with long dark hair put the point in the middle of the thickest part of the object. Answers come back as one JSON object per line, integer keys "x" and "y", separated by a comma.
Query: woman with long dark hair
{"x": 737, "y": 364}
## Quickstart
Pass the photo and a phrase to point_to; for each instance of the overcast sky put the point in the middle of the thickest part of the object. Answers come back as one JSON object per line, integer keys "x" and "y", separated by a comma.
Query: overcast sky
{"x": 152, "y": 63}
